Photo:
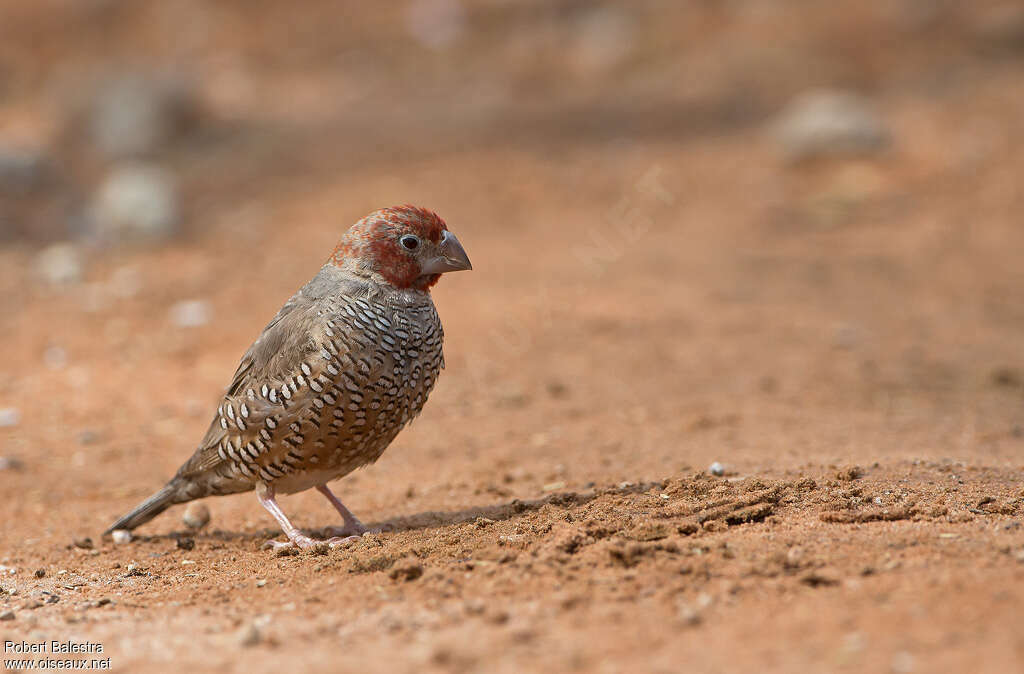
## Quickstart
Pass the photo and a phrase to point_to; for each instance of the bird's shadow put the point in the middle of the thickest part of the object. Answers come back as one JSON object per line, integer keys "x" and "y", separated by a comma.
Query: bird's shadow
{"x": 430, "y": 519}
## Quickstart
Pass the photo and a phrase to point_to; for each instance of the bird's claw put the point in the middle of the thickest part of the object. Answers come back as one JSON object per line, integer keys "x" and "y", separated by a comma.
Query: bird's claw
{"x": 302, "y": 542}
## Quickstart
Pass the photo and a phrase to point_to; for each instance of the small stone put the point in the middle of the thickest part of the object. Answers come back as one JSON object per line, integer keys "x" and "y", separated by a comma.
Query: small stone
{"x": 7, "y": 615}
{"x": 88, "y": 437}
{"x": 261, "y": 583}
{"x": 850, "y": 473}
{"x": 832, "y": 123}
{"x": 196, "y": 515}
{"x": 185, "y": 543}
{"x": 121, "y": 536}
{"x": 688, "y": 615}
{"x": 406, "y": 569}
{"x": 55, "y": 357}
{"x": 40, "y": 573}
{"x": 191, "y": 313}
{"x": 902, "y": 663}
{"x": 248, "y": 635}
{"x": 716, "y": 469}
{"x": 59, "y": 264}
{"x": 85, "y": 543}
{"x": 9, "y": 416}
{"x": 136, "y": 202}
{"x": 10, "y": 463}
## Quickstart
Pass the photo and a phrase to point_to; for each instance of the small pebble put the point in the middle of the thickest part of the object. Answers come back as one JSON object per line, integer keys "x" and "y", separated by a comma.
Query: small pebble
{"x": 823, "y": 123}
{"x": 191, "y": 313}
{"x": 196, "y": 515}
{"x": 55, "y": 357}
{"x": 121, "y": 536}
{"x": 7, "y": 615}
{"x": 185, "y": 543}
{"x": 716, "y": 469}
{"x": 10, "y": 463}
{"x": 136, "y": 202}
{"x": 59, "y": 264}
{"x": 9, "y": 416}
{"x": 84, "y": 543}
{"x": 406, "y": 570}
{"x": 88, "y": 437}
{"x": 249, "y": 635}
{"x": 40, "y": 573}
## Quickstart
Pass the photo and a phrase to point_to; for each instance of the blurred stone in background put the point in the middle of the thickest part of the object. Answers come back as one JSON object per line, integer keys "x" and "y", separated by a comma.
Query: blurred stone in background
{"x": 830, "y": 123}
{"x": 191, "y": 313}
{"x": 59, "y": 264}
{"x": 136, "y": 202}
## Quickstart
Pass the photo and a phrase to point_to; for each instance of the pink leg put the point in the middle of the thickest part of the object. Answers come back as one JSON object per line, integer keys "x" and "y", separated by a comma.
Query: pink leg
{"x": 296, "y": 539}
{"x": 353, "y": 527}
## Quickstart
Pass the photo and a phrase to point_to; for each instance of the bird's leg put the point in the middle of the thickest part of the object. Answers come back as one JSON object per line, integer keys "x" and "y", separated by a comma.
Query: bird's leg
{"x": 296, "y": 539}
{"x": 353, "y": 527}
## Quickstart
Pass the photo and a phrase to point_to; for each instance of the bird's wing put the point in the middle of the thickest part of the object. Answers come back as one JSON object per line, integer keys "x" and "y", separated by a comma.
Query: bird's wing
{"x": 259, "y": 389}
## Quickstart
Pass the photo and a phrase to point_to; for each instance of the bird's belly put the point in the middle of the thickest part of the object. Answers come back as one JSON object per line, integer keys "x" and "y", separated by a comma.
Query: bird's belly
{"x": 342, "y": 408}
{"x": 303, "y": 480}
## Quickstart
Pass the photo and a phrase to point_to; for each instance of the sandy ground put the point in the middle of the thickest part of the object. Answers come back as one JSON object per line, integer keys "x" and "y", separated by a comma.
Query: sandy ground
{"x": 844, "y": 338}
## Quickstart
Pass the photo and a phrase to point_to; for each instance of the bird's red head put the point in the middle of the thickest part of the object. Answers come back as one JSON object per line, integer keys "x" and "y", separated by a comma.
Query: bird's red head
{"x": 405, "y": 246}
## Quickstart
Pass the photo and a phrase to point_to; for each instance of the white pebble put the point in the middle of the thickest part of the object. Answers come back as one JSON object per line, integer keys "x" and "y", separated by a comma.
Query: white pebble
{"x": 249, "y": 635}
{"x": 830, "y": 123}
{"x": 196, "y": 515}
{"x": 55, "y": 357}
{"x": 191, "y": 313}
{"x": 59, "y": 264}
{"x": 121, "y": 536}
{"x": 136, "y": 202}
{"x": 716, "y": 469}
{"x": 9, "y": 416}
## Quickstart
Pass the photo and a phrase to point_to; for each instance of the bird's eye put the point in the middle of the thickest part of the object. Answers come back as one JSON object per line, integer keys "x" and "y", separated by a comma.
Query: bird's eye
{"x": 409, "y": 242}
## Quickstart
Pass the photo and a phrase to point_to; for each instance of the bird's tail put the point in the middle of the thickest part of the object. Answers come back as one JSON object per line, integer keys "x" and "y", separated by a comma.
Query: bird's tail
{"x": 170, "y": 495}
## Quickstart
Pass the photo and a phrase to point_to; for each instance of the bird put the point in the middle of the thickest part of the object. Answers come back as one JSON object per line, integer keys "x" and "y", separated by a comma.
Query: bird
{"x": 343, "y": 367}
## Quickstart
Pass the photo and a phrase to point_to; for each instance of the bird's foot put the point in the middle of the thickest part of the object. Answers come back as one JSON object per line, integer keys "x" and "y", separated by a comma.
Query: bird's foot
{"x": 303, "y": 542}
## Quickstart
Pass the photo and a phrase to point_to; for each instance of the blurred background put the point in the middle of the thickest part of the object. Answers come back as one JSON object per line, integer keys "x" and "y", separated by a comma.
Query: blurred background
{"x": 693, "y": 223}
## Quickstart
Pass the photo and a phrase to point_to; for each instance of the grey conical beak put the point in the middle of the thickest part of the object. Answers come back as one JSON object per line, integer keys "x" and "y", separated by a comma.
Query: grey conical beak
{"x": 452, "y": 258}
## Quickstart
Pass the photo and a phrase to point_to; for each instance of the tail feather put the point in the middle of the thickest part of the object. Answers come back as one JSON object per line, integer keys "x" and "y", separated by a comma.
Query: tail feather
{"x": 150, "y": 508}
